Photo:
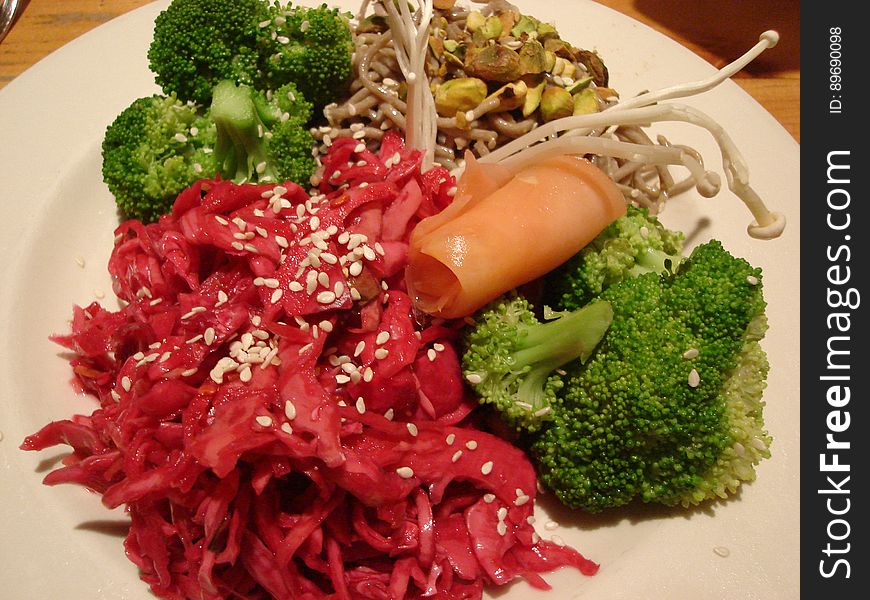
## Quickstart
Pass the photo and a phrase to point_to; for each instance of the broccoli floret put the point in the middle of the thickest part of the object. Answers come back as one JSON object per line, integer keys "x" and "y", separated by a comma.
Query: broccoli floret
{"x": 633, "y": 244}
{"x": 669, "y": 407}
{"x": 153, "y": 150}
{"x": 261, "y": 137}
{"x": 314, "y": 50}
{"x": 511, "y": 357}
{"x": 198, "y": 43}
{"x": 259, "y": 43}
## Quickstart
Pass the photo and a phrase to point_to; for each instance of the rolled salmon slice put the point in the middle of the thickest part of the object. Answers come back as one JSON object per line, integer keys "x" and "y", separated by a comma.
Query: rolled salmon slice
{"x": 514, "y": 231}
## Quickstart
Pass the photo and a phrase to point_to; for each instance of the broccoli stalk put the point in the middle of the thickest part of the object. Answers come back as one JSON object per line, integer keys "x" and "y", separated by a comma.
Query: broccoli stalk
{"x": 511, "y": 357}
{"x": 240, "y": 150}
{"x": 262, "y": 138}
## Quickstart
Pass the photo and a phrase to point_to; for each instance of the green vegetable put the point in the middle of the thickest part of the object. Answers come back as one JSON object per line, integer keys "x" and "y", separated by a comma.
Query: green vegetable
{"x": 261, "y": 137}
{"x": 263, "y": 44}
{"x": 159, "y": 145}
{"x": 153, "y": 150}
{"x": 669, "y": 408}
{"x": 511, "y": 356}
{"x": 311, "y": 47}
{"x": 634, "y": 244}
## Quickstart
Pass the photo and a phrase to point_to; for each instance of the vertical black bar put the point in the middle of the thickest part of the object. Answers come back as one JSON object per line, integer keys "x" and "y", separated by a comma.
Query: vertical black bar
{"x": 834, "y": 255}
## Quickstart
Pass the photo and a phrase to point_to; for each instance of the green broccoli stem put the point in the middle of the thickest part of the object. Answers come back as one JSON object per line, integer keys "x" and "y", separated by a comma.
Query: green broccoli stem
{"x": 240, "y": 148}
{"x": 573, "y": 335}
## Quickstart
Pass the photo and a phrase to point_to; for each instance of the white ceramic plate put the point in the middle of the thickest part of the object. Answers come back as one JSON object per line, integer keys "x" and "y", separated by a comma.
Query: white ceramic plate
{"x": 60, "y": 542}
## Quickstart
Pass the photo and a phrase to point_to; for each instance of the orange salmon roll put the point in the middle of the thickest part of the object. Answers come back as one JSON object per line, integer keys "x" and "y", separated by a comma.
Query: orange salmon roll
{"x": 488, "y": 243}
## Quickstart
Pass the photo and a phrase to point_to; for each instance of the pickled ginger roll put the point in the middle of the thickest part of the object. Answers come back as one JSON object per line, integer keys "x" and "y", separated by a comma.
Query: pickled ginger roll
{"x": 504, "y": 230}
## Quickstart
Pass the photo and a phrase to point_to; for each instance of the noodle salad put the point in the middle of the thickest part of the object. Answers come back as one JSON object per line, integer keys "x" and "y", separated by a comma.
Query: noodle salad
{"x": 281, "y": 408}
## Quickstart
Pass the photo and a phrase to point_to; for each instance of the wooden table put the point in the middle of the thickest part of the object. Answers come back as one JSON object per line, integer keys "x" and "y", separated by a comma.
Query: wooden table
{"x": 719, "y": 32}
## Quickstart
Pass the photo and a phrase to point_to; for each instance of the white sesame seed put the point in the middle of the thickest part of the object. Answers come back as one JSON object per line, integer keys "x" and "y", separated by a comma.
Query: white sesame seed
{"x": 125, "y": 383}
{"x": 381, "y": 353}
{"x": 438, "y": 347}
{"x": 245, "y": 374}
{"x": 551, "y": 525}
{"x": 295, "y": 286}
{"x": 348, "y": 367}
{"x": 326, "y": 297}
{"x": 486, "y": 468}
{"x": 521, "y": 500}
{"x": 389, "y": 414}
{"x": 368, "y": 374}
{"x": 488, "y": 498}
{"x": 473, "y": 378}
{"x": 471, "y": 445}
{"x": 412, "y": 429}
{"x": 450, "y": 439}
{"x": 238, "y": 245}
{"x": 289, "y": 410}
{"x": 264, "y": 420}
{"x": 188, "y": 372}
{"x": 456, "y": 456}
{"x": 382, "y": 338}
{"x": 342, "y": 379}
{"x": 691, "y": 353}
{"x": 752, "y": 280}
{"x": 276, "y": 295}
{"x": 338, "y": 289}
{"x": 286, "y": 428}
{"x": 405, "y": 472}
{"x": 694, "y": 379}
{"x": 501, "y": 528}
{"x": 360, "y": 405}
{"x": 431, "y": 354}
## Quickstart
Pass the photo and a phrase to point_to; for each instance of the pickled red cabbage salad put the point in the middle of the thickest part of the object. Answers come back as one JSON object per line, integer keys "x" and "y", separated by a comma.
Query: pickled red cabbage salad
{"x": 276, "y": 417}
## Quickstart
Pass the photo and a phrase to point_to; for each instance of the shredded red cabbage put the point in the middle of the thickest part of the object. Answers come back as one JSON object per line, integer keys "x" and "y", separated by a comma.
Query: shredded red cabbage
{"x": 274, "y": 416}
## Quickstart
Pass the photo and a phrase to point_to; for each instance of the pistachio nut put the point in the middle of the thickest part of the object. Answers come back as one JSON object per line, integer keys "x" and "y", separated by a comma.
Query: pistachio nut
{"x": 579, "y": 85}
{"x": 556, "y": 103}
{"x": 586, "y": 102}
{"x": 525, "y": 25}
{"x": 493, "y": 63}
{"x": 533, "y": 57}
{"x": 490, "y": 30}
{"x": 474, "y": 20}
{"x": 533, "y": 98}
{"x": 459, "y": 95}
{"x": 511, "y": 95}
